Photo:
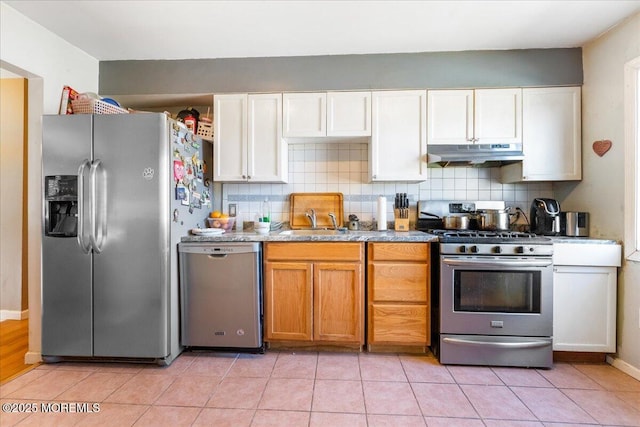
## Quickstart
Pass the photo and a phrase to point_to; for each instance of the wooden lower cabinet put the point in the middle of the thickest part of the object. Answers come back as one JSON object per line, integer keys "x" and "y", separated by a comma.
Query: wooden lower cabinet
{"x": 398, "y": 288}
{"x": 288, "y": 300}
{"x": 314, "y": 292}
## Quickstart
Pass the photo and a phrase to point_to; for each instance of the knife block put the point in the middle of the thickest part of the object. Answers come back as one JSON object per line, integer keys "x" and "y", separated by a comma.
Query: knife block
{"x": 400, "y": 224}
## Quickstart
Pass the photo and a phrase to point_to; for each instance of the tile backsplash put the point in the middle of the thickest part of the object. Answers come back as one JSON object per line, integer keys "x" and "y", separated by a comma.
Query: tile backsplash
{"x": 343, "y": 167}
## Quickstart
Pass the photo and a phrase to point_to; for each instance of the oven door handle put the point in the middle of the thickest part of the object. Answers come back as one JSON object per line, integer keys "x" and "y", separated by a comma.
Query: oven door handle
{"x": 511, "y": 345}
{"x": 496, "y": 263}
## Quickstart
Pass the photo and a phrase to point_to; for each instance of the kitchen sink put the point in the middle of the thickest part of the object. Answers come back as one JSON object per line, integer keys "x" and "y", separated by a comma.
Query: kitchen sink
{"x": 315, "y": 232}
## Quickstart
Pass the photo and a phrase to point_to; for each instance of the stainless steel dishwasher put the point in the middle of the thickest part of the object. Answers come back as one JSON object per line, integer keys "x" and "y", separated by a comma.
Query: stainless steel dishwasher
{"x": 221, "y": 295}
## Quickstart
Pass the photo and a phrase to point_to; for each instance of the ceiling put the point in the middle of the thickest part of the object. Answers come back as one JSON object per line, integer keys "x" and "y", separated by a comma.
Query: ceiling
{"x": 127, "y": 30}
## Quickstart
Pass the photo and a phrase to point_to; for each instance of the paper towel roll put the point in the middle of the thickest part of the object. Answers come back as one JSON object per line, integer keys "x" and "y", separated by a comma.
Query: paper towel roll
{"x": 382, "y": 213}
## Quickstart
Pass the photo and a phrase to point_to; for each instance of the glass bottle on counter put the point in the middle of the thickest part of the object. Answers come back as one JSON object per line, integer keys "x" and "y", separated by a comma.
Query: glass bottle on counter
{"x": 265, "y": 216}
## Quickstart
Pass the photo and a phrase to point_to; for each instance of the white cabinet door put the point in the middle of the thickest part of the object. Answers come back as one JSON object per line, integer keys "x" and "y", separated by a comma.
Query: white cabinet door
{"x": 248, "y": 144}
{"x": 230, "y": 137}
{"x": 305, "y": 114}
{"x": 450, "y": 116}
{"x": 349, "y": 114}
{"x": 267, "y": 151}
{"x": 552, "y": 140}
{"x": 398, "y": 138}
{"x": 584, "y": 309}
{"x": 480, "y": 116}
{"x": 497, "y": 116}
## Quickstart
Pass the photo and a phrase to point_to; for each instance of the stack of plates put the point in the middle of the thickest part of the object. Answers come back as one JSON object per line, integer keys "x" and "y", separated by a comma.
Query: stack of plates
{"x": 207, "y": 231}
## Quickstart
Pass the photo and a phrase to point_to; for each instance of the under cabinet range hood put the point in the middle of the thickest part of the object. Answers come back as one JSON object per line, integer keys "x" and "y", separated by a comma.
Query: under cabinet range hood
{"x": 474, "y": 153}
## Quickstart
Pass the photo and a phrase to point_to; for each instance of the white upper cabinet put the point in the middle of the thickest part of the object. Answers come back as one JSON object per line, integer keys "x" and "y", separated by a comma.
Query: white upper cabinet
{"x": 349, "y": 114}
{"x": 305, "y": 114}
{"x": 398, "y": 139}
{"x": 552, "y": 140}
{"x": 248, "y": 143}
{"x": 230, "y": 137}
{"x": 336, "y": 114}
{"x": 480, "y": 116}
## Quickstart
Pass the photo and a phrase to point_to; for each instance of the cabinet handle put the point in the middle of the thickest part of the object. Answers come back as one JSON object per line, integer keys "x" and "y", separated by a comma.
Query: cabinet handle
{"x": 248, "y": 176}
{"x": 244, "y": 177}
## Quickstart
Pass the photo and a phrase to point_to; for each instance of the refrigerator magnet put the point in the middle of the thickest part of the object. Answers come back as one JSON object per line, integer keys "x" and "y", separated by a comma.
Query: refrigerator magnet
{"x": 197, "y": 200}
{"x": 181, "y": 192}
{"x": 178, "y": 170}
{"x": 185, "y": 200}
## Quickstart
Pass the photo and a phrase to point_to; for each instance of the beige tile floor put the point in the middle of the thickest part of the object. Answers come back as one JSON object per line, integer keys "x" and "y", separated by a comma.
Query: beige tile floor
{"x": 287, "y": 389}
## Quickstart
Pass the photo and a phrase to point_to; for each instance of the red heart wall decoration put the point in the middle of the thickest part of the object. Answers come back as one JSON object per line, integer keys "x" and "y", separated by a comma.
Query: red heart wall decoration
{"x": 601, "y": 147}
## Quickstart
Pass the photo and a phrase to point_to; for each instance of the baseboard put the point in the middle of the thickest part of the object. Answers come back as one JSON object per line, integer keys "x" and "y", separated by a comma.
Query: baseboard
{"x": 13, "y": 315}
{"x": 624, "y": 367}
{"x": 32, "y": 357}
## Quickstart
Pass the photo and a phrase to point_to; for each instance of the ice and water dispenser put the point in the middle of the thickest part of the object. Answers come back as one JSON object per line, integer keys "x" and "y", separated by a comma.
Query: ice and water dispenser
{"x": 61, "y": 206}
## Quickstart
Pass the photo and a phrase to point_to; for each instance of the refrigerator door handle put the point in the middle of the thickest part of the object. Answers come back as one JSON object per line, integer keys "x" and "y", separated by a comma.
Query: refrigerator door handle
{"x": 98, "y": 207}
{"x": 84, "y": 245}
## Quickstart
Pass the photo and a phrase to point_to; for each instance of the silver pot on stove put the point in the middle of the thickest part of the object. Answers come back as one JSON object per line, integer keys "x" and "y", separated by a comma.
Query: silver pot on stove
{"x": 456, "y": 222}
{"x": 494, "y": 219}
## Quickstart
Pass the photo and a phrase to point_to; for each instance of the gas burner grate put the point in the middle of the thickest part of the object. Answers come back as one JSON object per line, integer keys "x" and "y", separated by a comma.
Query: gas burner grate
{"x": 479, "y": 234}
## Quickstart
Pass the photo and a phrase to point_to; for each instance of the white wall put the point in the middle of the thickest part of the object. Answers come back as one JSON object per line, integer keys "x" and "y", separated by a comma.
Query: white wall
{"x": 29, "y": 50}
{"x": 12, "y": 111}
{"x": 601, "y": 191}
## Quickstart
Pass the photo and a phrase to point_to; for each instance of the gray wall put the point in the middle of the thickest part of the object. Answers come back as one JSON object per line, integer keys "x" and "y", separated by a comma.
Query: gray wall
{"x": 531, "y": 67}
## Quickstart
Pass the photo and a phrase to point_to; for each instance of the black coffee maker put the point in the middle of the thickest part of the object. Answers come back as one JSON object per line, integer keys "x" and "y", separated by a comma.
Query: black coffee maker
{"x": 545, "y": 217}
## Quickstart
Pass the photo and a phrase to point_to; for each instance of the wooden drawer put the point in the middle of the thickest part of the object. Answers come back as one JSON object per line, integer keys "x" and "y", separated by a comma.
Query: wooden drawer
{"x": 402, "y": 282}
{"x": 398, "y": 324}
{"x": 314, "y": 251}
{"x": 398, "y": 251}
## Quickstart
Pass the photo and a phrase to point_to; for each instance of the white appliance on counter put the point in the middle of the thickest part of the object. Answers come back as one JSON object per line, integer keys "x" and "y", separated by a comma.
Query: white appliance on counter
{"x": 115, "y": 206}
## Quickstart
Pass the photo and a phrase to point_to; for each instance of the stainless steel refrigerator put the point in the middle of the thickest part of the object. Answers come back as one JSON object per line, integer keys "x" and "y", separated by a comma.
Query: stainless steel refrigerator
{"x": 119, "y": 191}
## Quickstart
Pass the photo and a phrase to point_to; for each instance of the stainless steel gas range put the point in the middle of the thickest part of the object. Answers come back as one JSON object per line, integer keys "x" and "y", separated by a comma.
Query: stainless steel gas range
{"x": 494, "y": 302}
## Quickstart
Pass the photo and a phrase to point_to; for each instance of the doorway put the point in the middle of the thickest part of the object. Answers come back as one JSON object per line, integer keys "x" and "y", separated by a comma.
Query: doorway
{"x": 14, "y": 329}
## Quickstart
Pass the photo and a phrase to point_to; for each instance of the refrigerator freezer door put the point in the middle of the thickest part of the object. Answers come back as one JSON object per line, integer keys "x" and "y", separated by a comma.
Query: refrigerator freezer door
{"x": 66, "y": 269}
{"x": 131, "y": 270}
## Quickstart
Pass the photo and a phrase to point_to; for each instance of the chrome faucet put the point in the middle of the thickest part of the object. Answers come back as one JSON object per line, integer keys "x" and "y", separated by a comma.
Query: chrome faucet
{"x": 312, "y": 217}
{"x": 333, "y": 220}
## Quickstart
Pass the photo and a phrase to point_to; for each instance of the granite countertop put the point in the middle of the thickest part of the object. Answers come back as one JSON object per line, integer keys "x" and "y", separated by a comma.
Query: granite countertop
{"x": 348, "y": 236}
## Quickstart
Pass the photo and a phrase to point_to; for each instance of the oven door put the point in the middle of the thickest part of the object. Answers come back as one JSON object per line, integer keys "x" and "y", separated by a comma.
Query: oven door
{"x": 496, "y": 296}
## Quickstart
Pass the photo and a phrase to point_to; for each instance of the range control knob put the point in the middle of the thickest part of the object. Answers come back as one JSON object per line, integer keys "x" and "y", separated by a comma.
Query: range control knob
{"x": 519, "y": 249}
{"x": 474, "y": 249}
{"x": 497, "y": 250}
{"x": 463, "y": 249}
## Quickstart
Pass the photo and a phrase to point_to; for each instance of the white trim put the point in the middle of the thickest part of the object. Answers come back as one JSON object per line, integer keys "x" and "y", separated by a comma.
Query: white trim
{"x": 32, "y": 357}
{"x": 631, "y": 163}
{"x": 13, "y": 315}
{"x": 624, "y": 366}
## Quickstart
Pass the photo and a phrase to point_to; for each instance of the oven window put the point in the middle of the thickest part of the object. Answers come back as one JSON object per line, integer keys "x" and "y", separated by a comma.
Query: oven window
{"x": 497, "y": 291}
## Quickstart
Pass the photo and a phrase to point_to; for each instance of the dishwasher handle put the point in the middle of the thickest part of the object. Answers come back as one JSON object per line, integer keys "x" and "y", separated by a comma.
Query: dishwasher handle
{"x": 217, "y": 256}
{"x": 218, "y": 249}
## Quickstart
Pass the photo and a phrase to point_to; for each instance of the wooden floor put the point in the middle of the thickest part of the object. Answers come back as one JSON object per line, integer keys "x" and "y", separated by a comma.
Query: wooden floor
{"x": 14, "y": 343}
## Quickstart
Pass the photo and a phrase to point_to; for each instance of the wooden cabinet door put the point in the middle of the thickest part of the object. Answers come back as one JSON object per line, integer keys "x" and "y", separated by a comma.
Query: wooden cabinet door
{"x": 230, "y": 137}
{"x": 338, "y": 302}
{"x": 267, "y": 155}
{"x": 398, "y": 147}
{"x": 497, "y": 116}
{"x": 398, "y": 324}
{"x": 288, "y": 300}
{"x": 304, "y": 114}
{"x": 349, "y": 114}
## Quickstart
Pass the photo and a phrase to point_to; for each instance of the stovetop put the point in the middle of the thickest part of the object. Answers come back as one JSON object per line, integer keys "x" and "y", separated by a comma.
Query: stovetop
{"x": 489, "y": 237}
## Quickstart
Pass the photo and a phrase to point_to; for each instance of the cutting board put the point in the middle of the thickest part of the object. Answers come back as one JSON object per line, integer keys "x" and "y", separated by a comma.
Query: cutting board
{"x": 322, "y": 203}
